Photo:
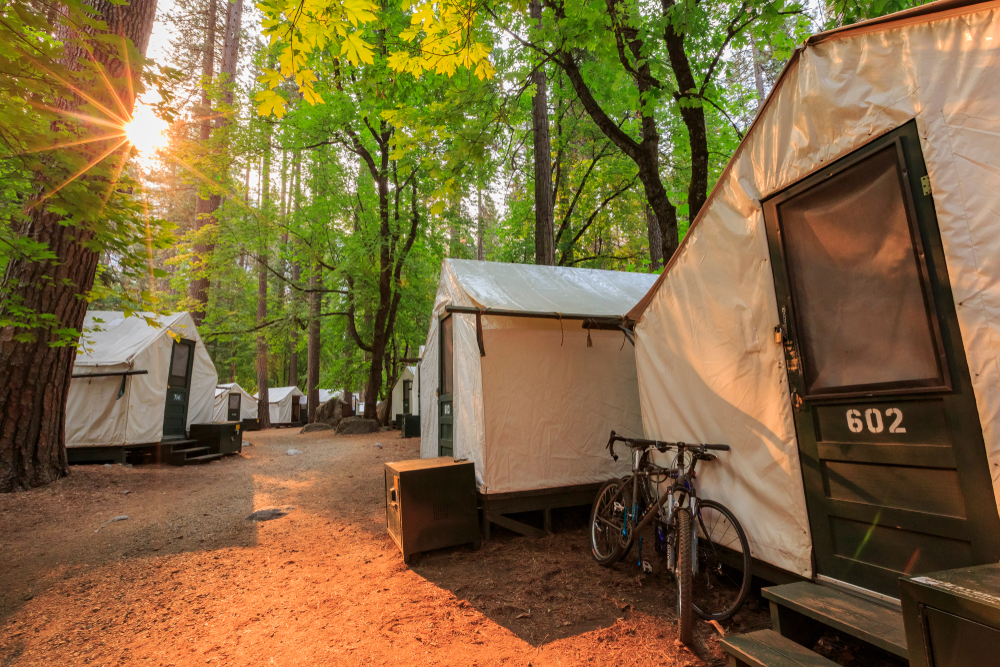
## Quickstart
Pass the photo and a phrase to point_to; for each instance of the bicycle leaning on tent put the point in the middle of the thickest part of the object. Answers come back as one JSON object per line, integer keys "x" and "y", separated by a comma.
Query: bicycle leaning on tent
{"x": 707, "y": 548}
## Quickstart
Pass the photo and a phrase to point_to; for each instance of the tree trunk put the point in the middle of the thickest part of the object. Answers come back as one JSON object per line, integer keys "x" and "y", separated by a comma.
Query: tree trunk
{"x": 480, "y": 221}
{"x": 312, "y": 359}
{"x": 758, "y": 73}
{"x": 545, "y": 252}
{"x": 263, "y": 405}
{"x": 293, "y": 354}
{"x": 655, "y": 240}
{"x": 35, "y": 377}
{"x": 208, "y": 207}
{"x": 204, "y": 212}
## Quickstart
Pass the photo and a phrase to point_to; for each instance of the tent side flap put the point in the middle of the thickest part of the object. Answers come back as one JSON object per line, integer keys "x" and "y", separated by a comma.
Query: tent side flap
{"x": 709, "y": 367}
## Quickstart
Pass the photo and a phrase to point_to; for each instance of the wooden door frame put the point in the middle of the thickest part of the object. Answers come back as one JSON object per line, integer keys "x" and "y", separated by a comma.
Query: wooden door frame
{"x": 970, "y": 459}
{"x": 449, "y": 398}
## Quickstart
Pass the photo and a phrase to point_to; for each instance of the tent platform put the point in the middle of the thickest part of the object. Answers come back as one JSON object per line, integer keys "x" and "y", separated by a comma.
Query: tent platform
{"x": 209, "y": 443}
{"x": 802, "y": 611}
{"x": 495, "y": 507}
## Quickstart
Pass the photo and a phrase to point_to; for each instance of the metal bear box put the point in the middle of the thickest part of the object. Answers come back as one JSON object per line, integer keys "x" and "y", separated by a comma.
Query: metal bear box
{"x": 431, "y": 504}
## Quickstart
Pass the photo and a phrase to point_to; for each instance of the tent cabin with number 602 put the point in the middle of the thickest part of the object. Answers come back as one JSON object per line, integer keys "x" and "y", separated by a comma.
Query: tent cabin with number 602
{"x": 833, "y": 313}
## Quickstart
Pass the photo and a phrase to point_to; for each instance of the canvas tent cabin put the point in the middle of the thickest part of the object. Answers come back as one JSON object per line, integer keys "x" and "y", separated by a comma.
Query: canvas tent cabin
{"x": 135, "y": 384}
{"x": 284, "y": 406}
{"x": 404, "y": 395}
{"x": 233, "y": 403}
{"x": 833, "y": 313}
{"x": 526, "y": 373}
{"x": 324, "y": 396}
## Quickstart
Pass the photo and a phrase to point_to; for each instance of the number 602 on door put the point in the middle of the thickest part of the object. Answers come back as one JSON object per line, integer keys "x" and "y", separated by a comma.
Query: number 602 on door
{"x": 873, "y": 420}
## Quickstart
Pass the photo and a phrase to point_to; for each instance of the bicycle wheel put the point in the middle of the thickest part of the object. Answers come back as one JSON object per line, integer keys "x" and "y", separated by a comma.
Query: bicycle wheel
{"x": 607, "y": 524}
{"x": 724, "y": 563}
{"x": 683, "y": 575}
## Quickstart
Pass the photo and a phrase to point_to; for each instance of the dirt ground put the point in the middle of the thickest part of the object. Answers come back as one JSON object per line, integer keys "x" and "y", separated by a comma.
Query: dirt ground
{"x": 188, "y": 580}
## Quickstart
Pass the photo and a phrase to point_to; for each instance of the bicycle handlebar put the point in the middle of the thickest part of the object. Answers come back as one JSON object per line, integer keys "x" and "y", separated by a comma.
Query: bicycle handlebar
{"x": 659, "y": 445}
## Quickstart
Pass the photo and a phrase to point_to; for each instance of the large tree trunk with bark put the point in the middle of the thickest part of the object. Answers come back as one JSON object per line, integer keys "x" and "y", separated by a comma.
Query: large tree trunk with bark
{"x": 34, "y": 376}
{"x": 545, "y": 244}
{"x": 312, "y": 357}
{"x": 205, "y": 210}
{"x": 263, "y": 405}
{"x": 655, "y": 240}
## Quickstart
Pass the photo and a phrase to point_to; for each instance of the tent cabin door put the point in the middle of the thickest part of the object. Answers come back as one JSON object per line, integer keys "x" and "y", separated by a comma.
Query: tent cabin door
{"x": 233, "y": 409}
{"x": 407, "y": 388}
{"x": 890, "y": 443}
{"x": 178, "y": 389}
{"x": 446, "y": 443}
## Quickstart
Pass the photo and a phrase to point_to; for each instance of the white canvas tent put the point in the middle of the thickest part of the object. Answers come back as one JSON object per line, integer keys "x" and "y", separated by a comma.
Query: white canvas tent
{"x": 718, "y": 344}
{"x": 100, "y": 413}
{"x": 399, "y": 405}
{"x": 534, "y": 412}
{"x": 283, "y": 404}
{"x": 248, "y": 404}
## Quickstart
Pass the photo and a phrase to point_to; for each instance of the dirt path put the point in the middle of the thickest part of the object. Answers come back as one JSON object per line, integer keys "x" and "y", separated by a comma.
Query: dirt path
{"x": 188, "y": 580}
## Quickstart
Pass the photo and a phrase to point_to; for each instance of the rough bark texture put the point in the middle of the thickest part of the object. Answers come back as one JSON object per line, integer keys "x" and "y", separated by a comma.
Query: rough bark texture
{"x": 263, "y": 408}
{"x": 227, "y": 72}
{"x": 758, "y": 73}
{"x": 655, "y": 241}
{"x": 205, "y": 210}
{"x": 545, "y": 252}
{"x": 312, "y": 359}
{"x": 34, "y": 377}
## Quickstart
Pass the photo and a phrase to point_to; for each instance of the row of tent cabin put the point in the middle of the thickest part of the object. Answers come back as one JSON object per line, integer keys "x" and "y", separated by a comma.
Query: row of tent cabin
{"x": 146, "y": 378}
{"x": 833, "y": 314}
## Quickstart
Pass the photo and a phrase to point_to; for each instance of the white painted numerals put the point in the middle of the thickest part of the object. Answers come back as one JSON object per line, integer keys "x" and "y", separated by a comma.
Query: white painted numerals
{"x": 873, "y": 420}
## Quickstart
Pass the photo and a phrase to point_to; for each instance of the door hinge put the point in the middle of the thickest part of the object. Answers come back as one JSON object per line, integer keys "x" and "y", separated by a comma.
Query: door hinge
{"x": 925, "y": 184}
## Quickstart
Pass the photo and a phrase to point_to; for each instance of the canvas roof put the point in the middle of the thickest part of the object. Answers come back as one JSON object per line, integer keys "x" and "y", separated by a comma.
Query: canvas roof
{"x": 111, "y": 339}
{"x": 550, "y": 289}
{"x": 278, "y": 394}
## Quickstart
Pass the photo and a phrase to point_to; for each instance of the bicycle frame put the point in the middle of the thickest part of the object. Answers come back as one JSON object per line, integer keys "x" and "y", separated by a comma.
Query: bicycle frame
{"x": 681, "y": 485}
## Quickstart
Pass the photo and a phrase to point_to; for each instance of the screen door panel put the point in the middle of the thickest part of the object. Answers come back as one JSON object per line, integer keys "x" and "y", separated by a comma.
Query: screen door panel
{"x": 890, "y": 444}
{"x": 856, "y": 282}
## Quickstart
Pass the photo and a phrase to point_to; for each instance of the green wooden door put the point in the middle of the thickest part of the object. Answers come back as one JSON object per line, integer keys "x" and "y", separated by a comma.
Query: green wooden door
{"x": 446, "y": 414}
{"x": 891, "y": 447}
{"x": 233, "y": 408}
{"x": 178, "y": 390}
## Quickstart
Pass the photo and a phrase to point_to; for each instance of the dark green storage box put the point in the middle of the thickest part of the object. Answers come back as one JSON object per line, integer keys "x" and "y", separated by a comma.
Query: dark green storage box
{"x": 431, "y": 504}
{"x": 952, "y": 618}
{"x": 411, "y": 426}
{"x": 220, "y": 438}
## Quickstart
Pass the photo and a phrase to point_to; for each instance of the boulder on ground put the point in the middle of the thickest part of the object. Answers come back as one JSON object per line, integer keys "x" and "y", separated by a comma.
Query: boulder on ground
{"x": 330, "y": 412}
{"x": 357, "y": 426}
{"x": 317, "y": 426}
{"x": 382, "y": 412}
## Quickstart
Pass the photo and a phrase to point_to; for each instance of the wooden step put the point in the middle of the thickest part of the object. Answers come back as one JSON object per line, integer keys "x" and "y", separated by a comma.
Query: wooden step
{"x": 190, "y": 452}
{"x": 766, "y": 648}
{"x": 205, "y": 458}
{"x": 799, "y": 610}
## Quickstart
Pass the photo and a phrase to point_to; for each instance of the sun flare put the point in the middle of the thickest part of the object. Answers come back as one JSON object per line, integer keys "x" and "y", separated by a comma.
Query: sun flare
{"x": 147, "y": 132}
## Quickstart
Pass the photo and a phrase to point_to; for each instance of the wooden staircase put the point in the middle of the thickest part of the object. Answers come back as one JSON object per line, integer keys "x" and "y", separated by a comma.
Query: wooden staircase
{"x": 800, "y": 613}
{"x": 185, "y": 451}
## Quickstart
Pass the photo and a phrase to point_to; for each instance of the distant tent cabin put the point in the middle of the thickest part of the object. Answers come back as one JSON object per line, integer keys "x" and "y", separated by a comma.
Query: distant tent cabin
{"x": 404, "y": 395}
{"x": 834, "y": 311}
{"x": 233, "y": 403}
{"x": 527, "y": 372}
{"x": 136, "y": 385}
{"x": 283, "y": 405}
